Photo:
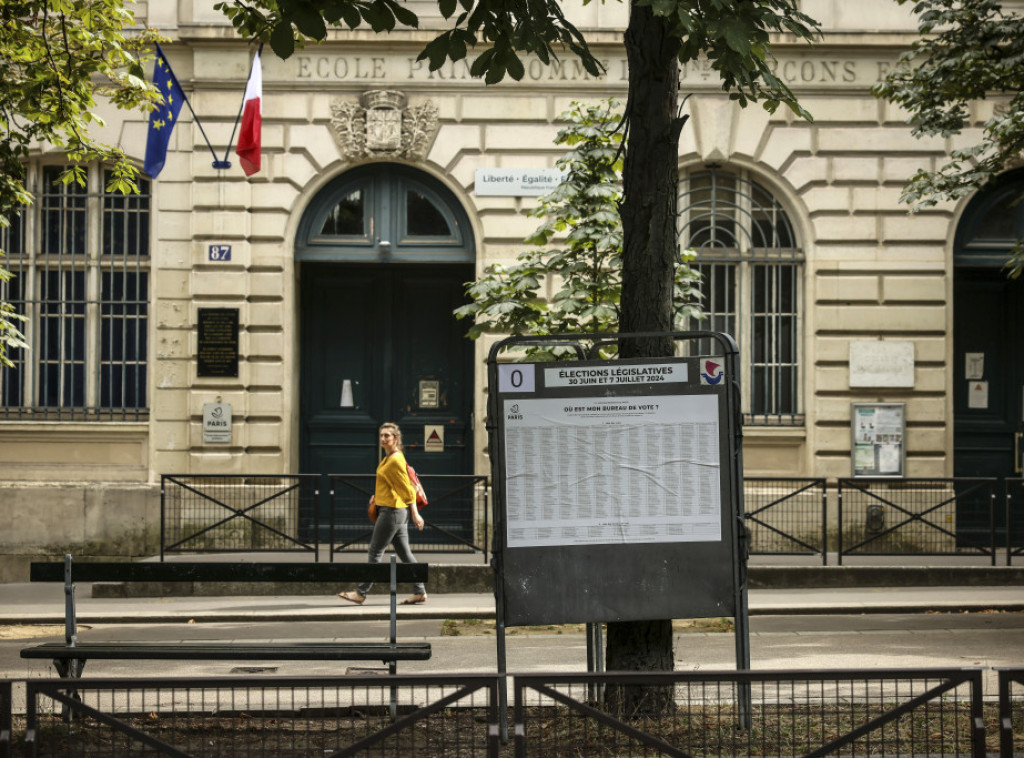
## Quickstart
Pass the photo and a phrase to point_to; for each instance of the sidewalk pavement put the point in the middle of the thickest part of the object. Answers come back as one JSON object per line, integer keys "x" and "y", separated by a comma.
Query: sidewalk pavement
{"x": 24, "y": 603}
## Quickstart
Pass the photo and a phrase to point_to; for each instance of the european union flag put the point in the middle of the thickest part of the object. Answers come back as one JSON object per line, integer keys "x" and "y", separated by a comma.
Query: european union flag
{"x": 163, "y": 118}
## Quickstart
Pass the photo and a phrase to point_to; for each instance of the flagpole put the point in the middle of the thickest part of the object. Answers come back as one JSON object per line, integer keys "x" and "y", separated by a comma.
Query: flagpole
{"x": 216, "y": 163}
{"x": 241, "y": 109}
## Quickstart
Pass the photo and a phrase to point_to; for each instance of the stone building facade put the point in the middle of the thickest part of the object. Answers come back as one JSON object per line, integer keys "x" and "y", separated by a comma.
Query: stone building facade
{"x": 345, "y": 254}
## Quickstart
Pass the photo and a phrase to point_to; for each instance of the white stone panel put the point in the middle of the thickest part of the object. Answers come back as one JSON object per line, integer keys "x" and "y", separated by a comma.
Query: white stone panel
{"x": 219, "y": 284}
{"x": 519, "y": 136}
{"x": 828, "y": 199}
{"x": 839, "y": 109}
{"x": 900, "y": 319}
{"x": 807, "y": 171}
{"x": 784, "y": 145}
{"x": 860, "y": 169}
{"x": 844, "y": 228}
{"x": 453, "y": 140}
{"x": 903, "y": 288}
{"x": 847, "y": 289}
{"x": 877, "y": 200}
{"x": 918, "y": 227}
{"x": 874, "y": 141}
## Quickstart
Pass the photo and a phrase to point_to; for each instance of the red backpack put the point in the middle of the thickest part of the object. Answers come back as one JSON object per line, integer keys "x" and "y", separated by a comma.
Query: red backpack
{"x": 421, "y": 495}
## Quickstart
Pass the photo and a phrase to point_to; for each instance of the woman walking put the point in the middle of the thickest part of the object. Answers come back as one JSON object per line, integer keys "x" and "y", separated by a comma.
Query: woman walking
{"x": 395, "y": 497}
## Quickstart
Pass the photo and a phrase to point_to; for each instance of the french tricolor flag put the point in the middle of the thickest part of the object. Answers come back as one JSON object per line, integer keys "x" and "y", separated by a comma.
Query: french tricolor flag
{"x": 248, "y": 149}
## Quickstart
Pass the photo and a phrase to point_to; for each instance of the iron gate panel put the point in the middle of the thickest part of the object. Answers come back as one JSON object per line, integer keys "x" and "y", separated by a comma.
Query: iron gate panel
{"x": 915, "y": 516}
{"x": 933, "y": 712}
{"x": 785, "y": 516}
{"x": 457, "y": 518}
{"x": 242, "y": 716}
{"x": 238, "y": 513}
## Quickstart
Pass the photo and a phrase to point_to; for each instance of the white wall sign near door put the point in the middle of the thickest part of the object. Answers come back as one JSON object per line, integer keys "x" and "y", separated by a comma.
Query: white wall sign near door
{"x": 216, "y": 423}
{"x": 433, "y": 438}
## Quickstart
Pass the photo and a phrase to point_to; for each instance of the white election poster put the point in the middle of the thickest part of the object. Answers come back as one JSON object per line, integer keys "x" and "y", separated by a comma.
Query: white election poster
{"x": 625, "y": 470}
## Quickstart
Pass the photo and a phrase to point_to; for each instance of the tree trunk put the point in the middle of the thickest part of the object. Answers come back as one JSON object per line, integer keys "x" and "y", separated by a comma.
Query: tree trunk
{"x": 650, "y": 180}
{"x": 650, "y": 248}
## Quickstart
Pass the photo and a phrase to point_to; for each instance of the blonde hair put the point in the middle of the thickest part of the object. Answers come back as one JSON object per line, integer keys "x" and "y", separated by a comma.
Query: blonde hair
{"x": 393, "y": 428}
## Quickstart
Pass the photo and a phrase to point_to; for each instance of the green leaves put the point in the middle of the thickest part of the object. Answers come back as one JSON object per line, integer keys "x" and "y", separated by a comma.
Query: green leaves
{"x": 584, "y": 273}
{"x": 969, "y": 51}
{"x": 57, "y": 59}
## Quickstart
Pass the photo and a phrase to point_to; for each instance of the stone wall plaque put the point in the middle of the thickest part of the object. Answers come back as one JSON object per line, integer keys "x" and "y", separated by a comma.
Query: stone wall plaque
{"x": 881, "y": 364}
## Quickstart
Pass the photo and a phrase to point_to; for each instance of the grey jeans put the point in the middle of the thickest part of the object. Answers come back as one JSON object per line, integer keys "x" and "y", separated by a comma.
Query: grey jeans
{"x": 392, "y": 528}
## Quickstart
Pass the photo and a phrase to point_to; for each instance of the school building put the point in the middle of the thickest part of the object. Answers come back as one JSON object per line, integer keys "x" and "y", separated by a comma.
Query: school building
{"x": 385, "y": 187}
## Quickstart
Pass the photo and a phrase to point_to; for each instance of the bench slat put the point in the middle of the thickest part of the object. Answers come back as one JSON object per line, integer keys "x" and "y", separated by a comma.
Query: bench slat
{"x": 310, "y": 651}
{"x": 145, "y": 571}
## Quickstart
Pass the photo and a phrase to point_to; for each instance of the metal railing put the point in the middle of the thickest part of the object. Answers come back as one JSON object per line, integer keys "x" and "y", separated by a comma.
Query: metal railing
{"x": 905, "y": 712}
{"x": 6, "y": 718}
{"x": 232, "y": 513}
{"x": 916, "y": 517}
{"x": 226, "y": 513}
{"x": 457, "y": 518}
{"x": 1011, "y": 712}
{"x": 931, "y": 712}
{"x": 1013, "y": 523}
{"x": 264, "y": 716}
{"x": 786, "y": 516}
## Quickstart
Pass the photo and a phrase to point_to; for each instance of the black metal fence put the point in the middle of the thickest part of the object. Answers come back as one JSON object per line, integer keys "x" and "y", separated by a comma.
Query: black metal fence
{"x": 786, "y": 516}
{"x": 1011, "y": 712}
{"x": 457, "y": 518}
{"x": 1013, "y": 520}
{"x": 279, "y": 717}
{"x": 746, "y": 713}
{"x": 231, "y": 513}
{"x": 904, "y": 712}
{"x": 917, "y": 517}
{"x": 6, "y": 718}
{"x": 305, "y": 512}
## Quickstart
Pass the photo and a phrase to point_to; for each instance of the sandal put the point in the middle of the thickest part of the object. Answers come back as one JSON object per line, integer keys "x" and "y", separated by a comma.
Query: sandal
{"x": 353, "y": 597}
{"x": 415, "y": 599}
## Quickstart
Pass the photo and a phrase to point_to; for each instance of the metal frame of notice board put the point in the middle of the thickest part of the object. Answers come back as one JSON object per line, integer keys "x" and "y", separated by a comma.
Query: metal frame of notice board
{"x": 878, "y": 440}
{"x": 617, "y": 485}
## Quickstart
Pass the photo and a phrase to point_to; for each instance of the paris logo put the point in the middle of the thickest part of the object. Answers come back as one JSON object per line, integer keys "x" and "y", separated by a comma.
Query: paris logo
{"x": 711, "y": 372}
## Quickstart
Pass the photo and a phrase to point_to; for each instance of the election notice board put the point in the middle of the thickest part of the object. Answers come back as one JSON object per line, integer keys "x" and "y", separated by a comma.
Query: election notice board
{"x": 615, "y": 490}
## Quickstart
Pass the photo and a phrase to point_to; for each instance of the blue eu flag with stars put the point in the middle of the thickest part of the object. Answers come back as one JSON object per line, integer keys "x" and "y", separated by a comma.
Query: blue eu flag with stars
{"x": 164, "y": 116}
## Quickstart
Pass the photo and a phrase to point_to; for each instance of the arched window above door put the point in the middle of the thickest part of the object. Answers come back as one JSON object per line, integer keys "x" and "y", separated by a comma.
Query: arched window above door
{"x": 992, "y": 223}
{"x": 385, "y": 212}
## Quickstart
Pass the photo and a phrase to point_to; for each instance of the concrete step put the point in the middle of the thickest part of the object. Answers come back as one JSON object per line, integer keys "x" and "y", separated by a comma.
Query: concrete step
{"x": 479, "y": 578}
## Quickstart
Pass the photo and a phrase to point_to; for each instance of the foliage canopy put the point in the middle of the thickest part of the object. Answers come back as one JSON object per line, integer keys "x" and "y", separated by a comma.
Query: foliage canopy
{"x": 59, "y": 60}
{"x": 734, "y": 35}
{"x": 969, "y": 51}
{"x": 585, "y": 272}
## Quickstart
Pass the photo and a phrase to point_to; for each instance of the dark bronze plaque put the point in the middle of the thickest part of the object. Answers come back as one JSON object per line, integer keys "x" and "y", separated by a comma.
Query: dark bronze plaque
{"x": 218, "y": 342}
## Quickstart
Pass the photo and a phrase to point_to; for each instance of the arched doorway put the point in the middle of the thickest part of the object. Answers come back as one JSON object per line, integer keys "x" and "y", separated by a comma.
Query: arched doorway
{"x": 988, "y": 347}
{"x": 384, "y": 251}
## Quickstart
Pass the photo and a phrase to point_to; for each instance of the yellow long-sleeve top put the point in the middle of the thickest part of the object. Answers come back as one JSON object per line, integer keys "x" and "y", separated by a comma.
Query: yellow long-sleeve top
{"x": 394, "y": 490}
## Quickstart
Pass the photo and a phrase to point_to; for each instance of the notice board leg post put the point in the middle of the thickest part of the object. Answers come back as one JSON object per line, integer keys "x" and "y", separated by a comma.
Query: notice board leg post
{"x": 502, "y": 683}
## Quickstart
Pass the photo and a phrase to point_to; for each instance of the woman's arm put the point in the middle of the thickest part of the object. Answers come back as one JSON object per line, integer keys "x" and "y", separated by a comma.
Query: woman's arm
{"x": 414, "y": 514}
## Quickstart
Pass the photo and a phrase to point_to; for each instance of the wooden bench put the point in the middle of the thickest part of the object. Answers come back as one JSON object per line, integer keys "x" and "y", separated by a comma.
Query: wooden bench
{"x": 69, "y": 657}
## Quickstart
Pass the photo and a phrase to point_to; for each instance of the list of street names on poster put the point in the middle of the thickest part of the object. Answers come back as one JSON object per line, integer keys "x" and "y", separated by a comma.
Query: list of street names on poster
{"x": 625, "y": 470}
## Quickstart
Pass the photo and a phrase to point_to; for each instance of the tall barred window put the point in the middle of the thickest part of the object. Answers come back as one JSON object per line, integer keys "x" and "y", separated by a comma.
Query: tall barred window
{"x": 80, "y": 259}
{"x": 751, "y": 268}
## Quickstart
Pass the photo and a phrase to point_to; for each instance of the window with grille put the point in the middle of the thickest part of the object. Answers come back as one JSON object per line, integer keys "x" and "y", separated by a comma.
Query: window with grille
{"x": 751, "y": 270}
{"x": 80, "y": 259}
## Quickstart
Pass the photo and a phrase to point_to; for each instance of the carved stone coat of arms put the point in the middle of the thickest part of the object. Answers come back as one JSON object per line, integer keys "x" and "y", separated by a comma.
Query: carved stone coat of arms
{"x": 381, "y": 125}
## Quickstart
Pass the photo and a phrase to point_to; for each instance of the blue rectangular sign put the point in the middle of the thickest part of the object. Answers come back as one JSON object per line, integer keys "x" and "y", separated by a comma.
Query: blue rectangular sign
{"x": 220, "y": 253}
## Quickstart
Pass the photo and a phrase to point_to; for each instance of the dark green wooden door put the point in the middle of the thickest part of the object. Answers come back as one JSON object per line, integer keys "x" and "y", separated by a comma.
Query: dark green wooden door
{"x": 380, "y": 343}
{"x": 988, "y": 389}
